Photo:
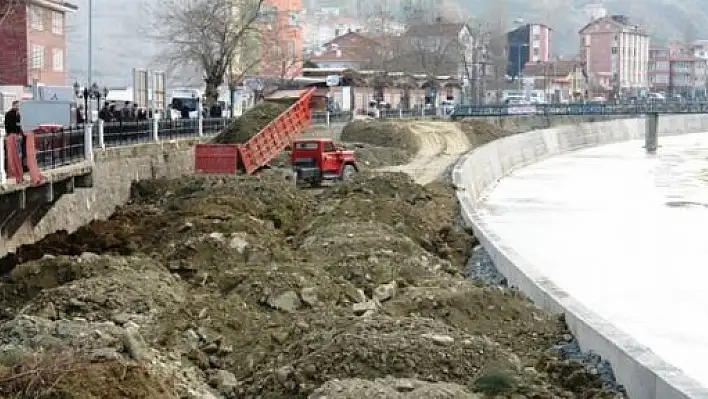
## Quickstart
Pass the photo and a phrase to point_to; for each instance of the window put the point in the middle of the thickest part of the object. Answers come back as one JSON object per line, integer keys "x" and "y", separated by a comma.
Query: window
{"x": 37, "y": 57}
{"x": 58, "y": 60}
{"x": 328, "y": 146}
{"x": 36, "y": 18}
{"x": 614, "y": 50}
{"x": 290, "y": 50}
{"x": 57, "y": 23}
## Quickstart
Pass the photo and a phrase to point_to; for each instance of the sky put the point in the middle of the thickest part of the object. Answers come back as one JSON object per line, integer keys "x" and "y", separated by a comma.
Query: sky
{"x": 120, "y": 41}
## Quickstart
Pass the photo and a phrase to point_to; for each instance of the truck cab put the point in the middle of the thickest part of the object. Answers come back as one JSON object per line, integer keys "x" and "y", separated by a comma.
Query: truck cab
{"x": 317, "y": 160}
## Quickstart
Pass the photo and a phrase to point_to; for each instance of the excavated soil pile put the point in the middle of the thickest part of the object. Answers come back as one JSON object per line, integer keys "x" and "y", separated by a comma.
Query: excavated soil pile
{"x": 252, "y": 122}
{"x": 237, "y": 287}
{"x": 380, "y": 143}
{"x": 480, "y": 132}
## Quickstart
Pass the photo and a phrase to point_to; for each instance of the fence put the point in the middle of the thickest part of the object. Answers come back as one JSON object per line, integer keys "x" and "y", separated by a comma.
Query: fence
{"x": 328, "y": 118}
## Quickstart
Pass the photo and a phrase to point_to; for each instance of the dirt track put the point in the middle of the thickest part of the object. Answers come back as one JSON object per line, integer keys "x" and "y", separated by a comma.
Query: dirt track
{"x": 440, "y": 145}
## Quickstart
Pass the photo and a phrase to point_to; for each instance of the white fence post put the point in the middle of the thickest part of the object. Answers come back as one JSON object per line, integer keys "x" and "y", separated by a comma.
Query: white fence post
{"x": 3, "y": 173}
{"x": 101, "y": 140}
{"x": 155, "y": 127}
{"x": 200, "y": 124}
{"x": 400, "y": 113}
{"x": 88, "y": 142}
{"x": 327, "y": 118}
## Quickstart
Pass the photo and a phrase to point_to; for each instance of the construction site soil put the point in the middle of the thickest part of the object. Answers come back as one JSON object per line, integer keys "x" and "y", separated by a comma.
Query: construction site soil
{"x": 248, "y": 287}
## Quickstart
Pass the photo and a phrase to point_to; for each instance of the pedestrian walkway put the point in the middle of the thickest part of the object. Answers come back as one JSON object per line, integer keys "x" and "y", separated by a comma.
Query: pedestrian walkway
{"x": 624, "y": 233}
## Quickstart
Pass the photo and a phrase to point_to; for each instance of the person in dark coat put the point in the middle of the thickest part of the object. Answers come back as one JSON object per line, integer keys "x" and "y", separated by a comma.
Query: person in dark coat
{"x": 80, "y": 119}
{"x": 105, "y": 114}
{"x": 13, "y": 125}
{"x": 185, "y": 111}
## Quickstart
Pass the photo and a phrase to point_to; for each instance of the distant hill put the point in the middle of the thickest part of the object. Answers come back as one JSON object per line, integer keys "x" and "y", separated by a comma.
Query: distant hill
{"x": 666, "y": 19}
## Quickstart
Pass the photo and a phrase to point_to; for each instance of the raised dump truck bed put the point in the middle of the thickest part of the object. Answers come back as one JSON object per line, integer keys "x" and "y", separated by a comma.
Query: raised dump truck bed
{"x": 260, "y": 149}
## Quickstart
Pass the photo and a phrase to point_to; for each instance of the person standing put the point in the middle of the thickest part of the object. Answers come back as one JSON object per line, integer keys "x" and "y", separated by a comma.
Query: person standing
{"x": 80, "y": 117}
{"x": 13, "y": 125}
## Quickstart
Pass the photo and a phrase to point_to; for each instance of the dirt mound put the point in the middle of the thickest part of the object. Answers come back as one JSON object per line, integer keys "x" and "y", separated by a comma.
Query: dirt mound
{"x": 28, "y": 280}
{"x": 391, "y": 388}
{"x": 117, "y": 295}
{"x": 517, "y": 324}
{"x": 480, "y": 132}
{"x": 69, "y": 375}
{"x": 376, "y": 254}
{"x": 370, "y": 157}
{"x": 425, "y": 214}
{"x": 403, "y": 347}
{"x": 381, "y": 134}
{"x": 251, "y": 122}
{"x": 248, "y": 287}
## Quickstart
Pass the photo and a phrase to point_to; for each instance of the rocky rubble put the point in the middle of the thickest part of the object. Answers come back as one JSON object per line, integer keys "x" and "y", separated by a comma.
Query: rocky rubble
{"x": 238, "y": 287}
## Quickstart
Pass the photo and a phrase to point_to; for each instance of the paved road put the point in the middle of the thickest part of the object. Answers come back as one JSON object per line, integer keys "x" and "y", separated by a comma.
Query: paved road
{"x": 624, "y": 233}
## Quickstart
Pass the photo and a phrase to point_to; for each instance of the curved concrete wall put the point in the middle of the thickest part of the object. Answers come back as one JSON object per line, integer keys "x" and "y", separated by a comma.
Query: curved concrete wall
{"x": 643, "y": 373}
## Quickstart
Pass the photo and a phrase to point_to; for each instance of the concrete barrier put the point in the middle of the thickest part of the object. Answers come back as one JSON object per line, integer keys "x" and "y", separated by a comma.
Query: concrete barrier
{"x": 642, "y": 372}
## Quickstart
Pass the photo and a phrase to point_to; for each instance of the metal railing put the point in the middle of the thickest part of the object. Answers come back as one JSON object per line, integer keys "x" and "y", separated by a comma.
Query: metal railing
{"x": 582, "y": 109}
{"x": 59, "y": 147}
{"x": 116, "y": 134}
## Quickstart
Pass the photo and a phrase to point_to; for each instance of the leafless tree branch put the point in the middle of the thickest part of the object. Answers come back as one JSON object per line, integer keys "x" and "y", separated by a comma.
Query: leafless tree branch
{"x": 206, "y": 34}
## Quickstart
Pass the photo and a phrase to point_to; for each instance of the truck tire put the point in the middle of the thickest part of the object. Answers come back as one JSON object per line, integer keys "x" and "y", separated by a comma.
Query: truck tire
{"x": 348, "y": 172}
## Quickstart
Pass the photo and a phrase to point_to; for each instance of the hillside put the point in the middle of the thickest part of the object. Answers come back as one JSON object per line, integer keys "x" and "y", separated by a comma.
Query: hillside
{"x": 666, "y": 19}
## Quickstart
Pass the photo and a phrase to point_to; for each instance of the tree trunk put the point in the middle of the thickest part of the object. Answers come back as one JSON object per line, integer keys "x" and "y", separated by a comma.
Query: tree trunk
{"x": 211, "y": 93}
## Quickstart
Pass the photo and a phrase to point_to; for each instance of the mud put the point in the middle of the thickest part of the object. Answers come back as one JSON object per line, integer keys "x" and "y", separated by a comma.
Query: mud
{"x": 235, "y": 287}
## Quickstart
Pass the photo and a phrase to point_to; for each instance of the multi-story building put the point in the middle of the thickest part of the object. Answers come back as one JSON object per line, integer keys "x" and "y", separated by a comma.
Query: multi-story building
{"x": 677, "y": 70}
{"x": 615, "y": 53}
{"x": 527, "y": 43}
{"x": 33, "y": 43}
{"x": 281, "y": 39}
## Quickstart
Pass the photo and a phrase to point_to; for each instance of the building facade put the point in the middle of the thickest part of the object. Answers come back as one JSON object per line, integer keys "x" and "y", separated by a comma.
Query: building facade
{"x": 560, "y": 81}
{"x": 675, "y": 70}
{"x": 527, "y": 43}
{"x": 33, "y": 43}
{"x": 281, "y": 39}
{"x": 615, "y": 54}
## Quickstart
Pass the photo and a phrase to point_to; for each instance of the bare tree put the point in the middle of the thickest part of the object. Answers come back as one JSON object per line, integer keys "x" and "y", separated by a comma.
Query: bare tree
{"x": 431, "y": 48}
{"x": 206, "y": 34}
{"x": 280, "y": 55}
{"x": 474, "y": 59}
{"x": 385, "y": 45}
{"x": 498, "y": 46}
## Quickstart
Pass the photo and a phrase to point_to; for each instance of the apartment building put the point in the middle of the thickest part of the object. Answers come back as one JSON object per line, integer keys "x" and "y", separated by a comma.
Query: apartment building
{"x": 281, "y": 39}
{"x": 528, "y": 43}
{"x": 615, "y": 53}
{"x": 33, "y": 42}
{"x": 677, "y": 70}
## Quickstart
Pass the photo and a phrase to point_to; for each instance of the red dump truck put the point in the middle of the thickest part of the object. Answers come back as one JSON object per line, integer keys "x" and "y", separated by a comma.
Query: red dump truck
{"x": 260, "y": 149}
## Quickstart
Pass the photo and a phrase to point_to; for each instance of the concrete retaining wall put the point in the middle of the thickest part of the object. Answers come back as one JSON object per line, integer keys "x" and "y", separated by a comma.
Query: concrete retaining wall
{"x": 643, "y": 373}
{"x": 113, "y": 173}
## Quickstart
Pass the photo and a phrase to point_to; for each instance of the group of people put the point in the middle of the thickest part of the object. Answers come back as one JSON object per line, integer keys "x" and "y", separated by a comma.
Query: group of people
{"x": 110, "y": 113}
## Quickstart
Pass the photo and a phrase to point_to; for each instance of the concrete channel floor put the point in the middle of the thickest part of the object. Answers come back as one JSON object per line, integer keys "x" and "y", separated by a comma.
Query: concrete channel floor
{"x": 623, "y": 232}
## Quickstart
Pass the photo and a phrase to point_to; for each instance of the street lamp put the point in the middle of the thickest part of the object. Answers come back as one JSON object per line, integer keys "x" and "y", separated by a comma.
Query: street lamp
{"x": 88, "y": 93}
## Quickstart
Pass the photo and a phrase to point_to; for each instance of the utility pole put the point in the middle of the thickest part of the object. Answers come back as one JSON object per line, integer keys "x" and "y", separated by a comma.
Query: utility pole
{"x": 90, "y": 44}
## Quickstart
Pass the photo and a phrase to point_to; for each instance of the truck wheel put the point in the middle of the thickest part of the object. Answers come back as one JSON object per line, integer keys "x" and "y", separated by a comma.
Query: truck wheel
{"x": 348, "y": 172}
